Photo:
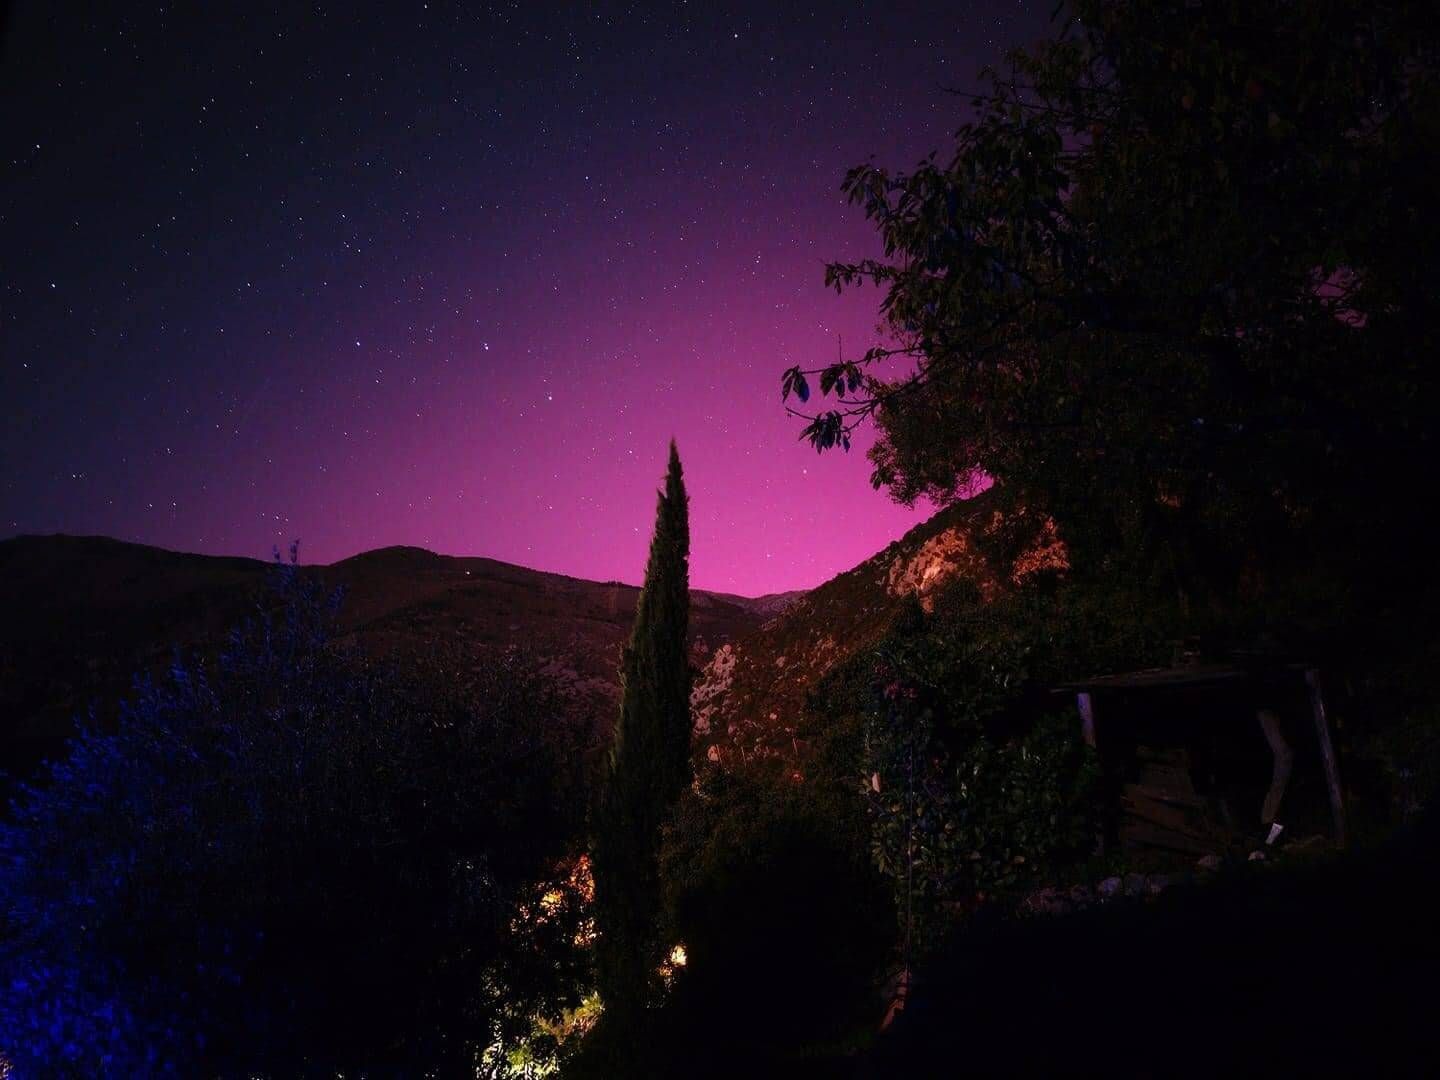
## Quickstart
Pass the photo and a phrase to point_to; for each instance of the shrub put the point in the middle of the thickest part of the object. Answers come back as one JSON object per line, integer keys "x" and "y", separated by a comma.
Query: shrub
{"x": 785, "y": 923}
{"x": 1407, "y": 754}
{"x": 951, "y": 825}
{"x": 294, "y": 862}
{"x": 974, "y": 787}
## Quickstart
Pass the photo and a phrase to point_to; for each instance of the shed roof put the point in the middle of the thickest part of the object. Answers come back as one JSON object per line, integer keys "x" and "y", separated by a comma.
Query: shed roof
{"x": 1181, "y": 677}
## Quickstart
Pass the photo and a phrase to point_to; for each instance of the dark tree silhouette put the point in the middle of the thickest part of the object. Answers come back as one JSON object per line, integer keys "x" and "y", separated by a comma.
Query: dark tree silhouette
{"x": 649, "y": 762}
{"x": 1174, "y": 287}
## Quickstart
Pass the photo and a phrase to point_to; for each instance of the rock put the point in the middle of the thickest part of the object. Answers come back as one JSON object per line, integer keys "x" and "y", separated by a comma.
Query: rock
{"x": 1048, "y": 901}
{"x": 1108, "y": 888}
{"x": 1082, "y": 896}
{"x": 939, "y": 559}
{"x": 1135, "y": 884}
{"x": 1257, "y": 856}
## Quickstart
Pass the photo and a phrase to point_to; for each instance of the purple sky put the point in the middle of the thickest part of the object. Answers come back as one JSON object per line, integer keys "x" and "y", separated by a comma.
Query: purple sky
{"x": 452, "y": 277}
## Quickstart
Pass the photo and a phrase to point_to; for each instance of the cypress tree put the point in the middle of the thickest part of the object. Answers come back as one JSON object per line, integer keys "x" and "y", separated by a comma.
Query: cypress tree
{"x": 649, "y": 762}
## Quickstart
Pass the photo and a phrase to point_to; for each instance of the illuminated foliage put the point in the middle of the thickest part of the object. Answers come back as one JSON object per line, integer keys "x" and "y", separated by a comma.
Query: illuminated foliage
{"x": 295, "y": 862}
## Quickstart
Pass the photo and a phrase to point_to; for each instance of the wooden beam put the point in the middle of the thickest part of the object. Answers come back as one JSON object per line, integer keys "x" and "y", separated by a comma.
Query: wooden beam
{"x": 1284, "y": 759}
{"x": 1327, "y": 754}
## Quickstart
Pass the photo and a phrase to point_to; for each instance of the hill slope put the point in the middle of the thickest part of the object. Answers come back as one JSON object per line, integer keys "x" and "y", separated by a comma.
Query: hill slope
{"x": 752, "y": 690}
{"x": 80, "y": 616}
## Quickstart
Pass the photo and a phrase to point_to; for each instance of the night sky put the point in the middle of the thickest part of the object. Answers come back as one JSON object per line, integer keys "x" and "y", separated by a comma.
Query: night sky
{"x": 451, "y": 276}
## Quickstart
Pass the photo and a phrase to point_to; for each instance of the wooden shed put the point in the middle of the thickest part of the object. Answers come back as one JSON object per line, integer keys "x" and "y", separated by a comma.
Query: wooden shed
{"x": 1164, "y": 735}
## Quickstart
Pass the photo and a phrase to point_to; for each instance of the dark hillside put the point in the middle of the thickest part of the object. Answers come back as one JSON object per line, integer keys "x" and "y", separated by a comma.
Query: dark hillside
{"x": 80, "y": 616}
{"x": 760, "y": 682}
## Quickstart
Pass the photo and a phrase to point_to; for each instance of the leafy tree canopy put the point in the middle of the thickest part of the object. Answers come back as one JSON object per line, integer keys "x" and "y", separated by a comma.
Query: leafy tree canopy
{"x": 1174, "y": 286}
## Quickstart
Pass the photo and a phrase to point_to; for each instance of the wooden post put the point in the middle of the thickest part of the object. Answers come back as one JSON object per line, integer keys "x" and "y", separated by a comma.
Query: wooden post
{"x": 1327, "y": 754}
{"x": 1087, "y": 732}
{"x": 1087, "y": 717}
{"x": 1284, "y": 759}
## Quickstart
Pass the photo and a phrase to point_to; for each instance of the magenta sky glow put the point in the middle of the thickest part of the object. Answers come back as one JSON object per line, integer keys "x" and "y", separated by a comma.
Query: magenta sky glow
{"x": 452, "y": 279}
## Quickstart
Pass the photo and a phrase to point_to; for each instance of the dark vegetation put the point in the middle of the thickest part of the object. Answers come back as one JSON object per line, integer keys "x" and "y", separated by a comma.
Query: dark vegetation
{"x": 1173, "y": 295}
{"x": 647, "y": 768}
{"x": 1321, "y": 969}
{"x": 80, "y": 617}
{"x": 768, "y": 881}
{"x": 1172, "y": 291}
{"x": 296, "y": 861}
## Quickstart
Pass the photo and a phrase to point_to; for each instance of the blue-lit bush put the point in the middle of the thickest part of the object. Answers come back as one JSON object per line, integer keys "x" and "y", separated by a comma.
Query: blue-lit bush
{"x": 291, "y": 862}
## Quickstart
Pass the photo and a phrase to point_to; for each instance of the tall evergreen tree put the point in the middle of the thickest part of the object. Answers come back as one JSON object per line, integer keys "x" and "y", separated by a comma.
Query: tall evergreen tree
{"x": 649, "y": 762}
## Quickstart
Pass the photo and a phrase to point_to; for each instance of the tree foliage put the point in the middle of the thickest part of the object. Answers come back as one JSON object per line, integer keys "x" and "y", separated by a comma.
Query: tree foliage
{"x": 974, "y": 787}
{"x": 1174, "y": 286}
{"x": 947, "y": 731}
{"x": 768, "y": 881}
{"x": 957, "y": 823}
{"x": 649, "y": 762}
{"x": 293, "y": 862}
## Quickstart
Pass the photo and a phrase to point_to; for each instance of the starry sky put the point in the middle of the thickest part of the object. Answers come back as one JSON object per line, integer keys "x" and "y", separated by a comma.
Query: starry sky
{"x": 451, "y": 276}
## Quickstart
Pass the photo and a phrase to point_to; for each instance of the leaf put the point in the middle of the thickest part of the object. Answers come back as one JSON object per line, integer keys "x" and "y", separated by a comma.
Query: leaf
{"x": 793, "y": 381}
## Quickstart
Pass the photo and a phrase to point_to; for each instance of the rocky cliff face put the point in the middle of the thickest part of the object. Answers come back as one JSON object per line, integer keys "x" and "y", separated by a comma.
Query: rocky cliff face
{"x": 752, "y": 691}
